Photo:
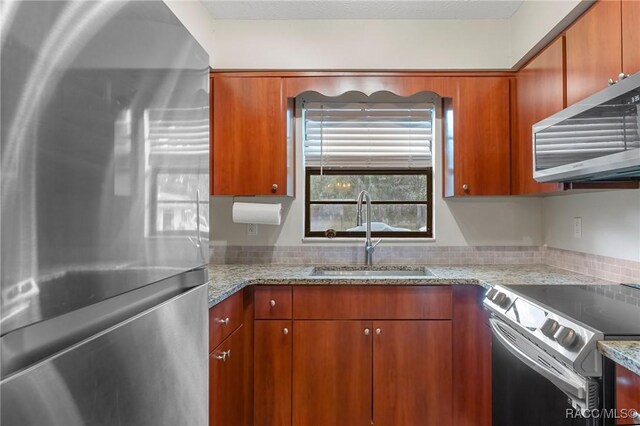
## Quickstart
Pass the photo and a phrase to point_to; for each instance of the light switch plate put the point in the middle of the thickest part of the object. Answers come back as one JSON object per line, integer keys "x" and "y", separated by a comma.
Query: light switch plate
{"x": 577, "y": 227}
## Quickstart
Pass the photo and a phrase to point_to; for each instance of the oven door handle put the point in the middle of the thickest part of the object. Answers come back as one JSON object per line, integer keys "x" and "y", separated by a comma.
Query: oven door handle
{"x": 573, "y": 390}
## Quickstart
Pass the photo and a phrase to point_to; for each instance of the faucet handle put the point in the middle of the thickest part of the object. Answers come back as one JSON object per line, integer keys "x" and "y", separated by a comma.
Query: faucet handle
{"x": 376, "y": 243}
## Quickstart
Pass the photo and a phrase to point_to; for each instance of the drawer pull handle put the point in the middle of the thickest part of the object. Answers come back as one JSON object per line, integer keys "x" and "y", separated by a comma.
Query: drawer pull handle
{"x": 222, "y": 356}
{"x": 224, "y": 321}
{"x": 272, "y": 303}
{"x": 285, "y": 330}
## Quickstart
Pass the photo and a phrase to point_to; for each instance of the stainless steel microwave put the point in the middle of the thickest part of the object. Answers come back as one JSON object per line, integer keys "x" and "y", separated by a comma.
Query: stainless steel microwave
{"x": 596, "y": 139}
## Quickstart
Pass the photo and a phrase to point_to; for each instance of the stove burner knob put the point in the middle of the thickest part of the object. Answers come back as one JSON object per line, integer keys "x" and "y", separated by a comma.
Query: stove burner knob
{"x": 549, "y": 327}
{"x": 501, "y": 300}
{"x": 492, "y": 293}
{"x": 566, "y": 337}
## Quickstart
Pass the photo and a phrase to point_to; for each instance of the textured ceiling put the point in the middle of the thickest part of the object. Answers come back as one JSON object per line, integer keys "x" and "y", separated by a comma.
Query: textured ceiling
{"x": 362, "y": 9}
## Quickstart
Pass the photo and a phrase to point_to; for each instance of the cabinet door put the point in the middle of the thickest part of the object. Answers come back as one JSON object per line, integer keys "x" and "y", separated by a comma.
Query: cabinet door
{"x": 249, "y": 136}
{"x": 471, "y": 358}
{"x": 594, "y": 50}
{"x": 627, "y": 394}
{"x": 540, "y": 93}
{"x": 226, "y": 378}
{"x": 412, "y": 383}
{"x": 481, "y": 164}
{"x": 272, "y": 372}
{"x": 332, "y": 381}
{"x": 631, "y": 36}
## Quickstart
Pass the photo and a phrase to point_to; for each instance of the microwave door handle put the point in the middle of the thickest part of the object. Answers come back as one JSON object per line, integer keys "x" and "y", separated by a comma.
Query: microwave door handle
{"x": 570, "y": 389}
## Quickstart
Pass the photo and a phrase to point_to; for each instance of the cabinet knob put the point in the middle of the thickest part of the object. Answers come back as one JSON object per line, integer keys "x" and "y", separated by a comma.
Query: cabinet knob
{"x": 285, "y": 330}
{"x": 611, "y": 82}
{"x": 224, "y": 321}
{"x": 274, "y": 187}
{"x": 272, "y": 303}
{"x": 465, "y": 187}
{"x": 378, "y": 331}
{"x": 367, "y": 331}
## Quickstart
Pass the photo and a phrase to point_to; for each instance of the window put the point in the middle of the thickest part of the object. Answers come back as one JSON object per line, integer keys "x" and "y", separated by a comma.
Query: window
{"x": 178, "y": 146}
{"x": 382, "y": 147}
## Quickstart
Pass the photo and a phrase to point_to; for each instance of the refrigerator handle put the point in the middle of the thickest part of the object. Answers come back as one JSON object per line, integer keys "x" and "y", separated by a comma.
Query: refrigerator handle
{"x": 199, "y": 243}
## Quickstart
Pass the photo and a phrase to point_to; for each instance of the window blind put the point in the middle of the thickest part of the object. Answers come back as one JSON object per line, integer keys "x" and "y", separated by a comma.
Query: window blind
{"x": 368, "y": 135}
{"x": 177, "y": 137}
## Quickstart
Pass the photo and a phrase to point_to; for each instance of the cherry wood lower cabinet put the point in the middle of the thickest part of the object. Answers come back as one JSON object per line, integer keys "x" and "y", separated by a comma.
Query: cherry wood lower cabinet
{"x": 627, "y": 394}
{"x": 226, "y": 382}
{"x": 375, "y": 366}
{"x": 412, "y": 370}
{"x": 332, "y": 373}
{"x": 471, "y": 358}
{"x": 372, "y": 372}
{"x": 272, "y": 372}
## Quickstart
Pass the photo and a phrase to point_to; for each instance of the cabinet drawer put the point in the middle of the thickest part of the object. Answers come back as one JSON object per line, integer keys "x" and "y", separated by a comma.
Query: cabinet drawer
{"x": 224, "y": 318}
{"x": 226, "y": 382}
{"x": 272, "y": 302}
{"x": 372, "y": 302}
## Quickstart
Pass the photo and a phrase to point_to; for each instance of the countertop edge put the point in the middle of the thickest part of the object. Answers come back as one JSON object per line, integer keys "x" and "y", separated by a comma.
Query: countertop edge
{"x": 625, "y": 353}
{"x": 234, "y": 288}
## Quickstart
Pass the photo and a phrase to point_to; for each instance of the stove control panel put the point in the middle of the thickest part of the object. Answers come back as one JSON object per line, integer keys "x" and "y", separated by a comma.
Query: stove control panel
{"x": 557, "y": 334}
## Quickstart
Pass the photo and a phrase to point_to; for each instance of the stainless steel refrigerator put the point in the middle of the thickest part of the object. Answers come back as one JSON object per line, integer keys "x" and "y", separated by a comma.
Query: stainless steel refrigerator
{"x": 104, "y": 215}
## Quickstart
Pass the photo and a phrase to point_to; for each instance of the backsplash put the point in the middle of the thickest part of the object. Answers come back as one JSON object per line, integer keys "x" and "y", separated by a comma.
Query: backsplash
{"x": 608, "y": 268}
{"x": 431, "y": 255}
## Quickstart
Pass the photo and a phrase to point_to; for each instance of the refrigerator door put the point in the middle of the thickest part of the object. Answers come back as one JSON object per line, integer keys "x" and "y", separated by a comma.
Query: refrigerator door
{"x": 104, "y": 151}
{"x": 148, "y": 370}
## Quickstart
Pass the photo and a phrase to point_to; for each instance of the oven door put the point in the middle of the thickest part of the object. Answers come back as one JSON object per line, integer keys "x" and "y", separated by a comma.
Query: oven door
{"x": 532, "y": 388}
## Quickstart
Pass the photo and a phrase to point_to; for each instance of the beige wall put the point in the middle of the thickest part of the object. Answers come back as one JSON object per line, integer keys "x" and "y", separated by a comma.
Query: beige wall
{"x": 610, "y": 223}
{"x": 390, "y": 44}
{"x": 361, "y": 44}
{"x": 536, "y": 23}
{"x": 195, "y": 17}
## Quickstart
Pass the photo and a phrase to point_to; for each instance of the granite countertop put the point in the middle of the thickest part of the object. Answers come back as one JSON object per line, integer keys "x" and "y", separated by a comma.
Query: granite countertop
{"x": 227, "y": 279}
{"x": 625, "y": 353}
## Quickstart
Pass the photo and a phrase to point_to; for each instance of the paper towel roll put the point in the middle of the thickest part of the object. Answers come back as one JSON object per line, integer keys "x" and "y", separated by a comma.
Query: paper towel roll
{"x": 259, "y": 213}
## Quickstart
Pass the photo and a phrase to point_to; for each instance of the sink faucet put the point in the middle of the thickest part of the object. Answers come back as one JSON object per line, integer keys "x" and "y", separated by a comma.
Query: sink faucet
{"x": 369, "y": 246}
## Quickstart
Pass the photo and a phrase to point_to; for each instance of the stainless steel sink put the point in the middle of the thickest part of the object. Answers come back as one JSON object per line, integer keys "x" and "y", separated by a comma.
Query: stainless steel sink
{"x": 351, "y": 271}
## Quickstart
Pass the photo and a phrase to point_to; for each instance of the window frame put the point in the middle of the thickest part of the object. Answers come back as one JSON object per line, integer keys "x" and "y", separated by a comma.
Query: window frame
{"x": 316, "y": 171}
{"x": 154, "y": 202}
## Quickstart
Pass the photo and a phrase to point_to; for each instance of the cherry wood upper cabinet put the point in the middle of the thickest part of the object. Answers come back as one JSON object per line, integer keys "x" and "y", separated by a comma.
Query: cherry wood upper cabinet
{"x": 412, "y": 373}
{"x": 631, "y": 36}
{"x": 399, "y": 85}
{"x": 476, "y": 155}
{"x": 540, "y": 93}
{"x": 251, "y": 154}
{"x": 627, "y": 394}
{"x": 594, "y": 47}
{"x": 332, "y": 363}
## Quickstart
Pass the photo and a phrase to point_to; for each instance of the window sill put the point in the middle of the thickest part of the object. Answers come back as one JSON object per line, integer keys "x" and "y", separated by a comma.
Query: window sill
{"x": 361, "y": 240}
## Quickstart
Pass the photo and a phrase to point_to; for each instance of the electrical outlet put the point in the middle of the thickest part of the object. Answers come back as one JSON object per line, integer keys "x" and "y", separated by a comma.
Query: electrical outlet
{"x": 577, "y": 227}
{"x": 252, "y": 229}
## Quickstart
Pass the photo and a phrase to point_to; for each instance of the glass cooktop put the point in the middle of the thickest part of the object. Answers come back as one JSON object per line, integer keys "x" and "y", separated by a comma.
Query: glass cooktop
{"x": 614, "y": 310}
